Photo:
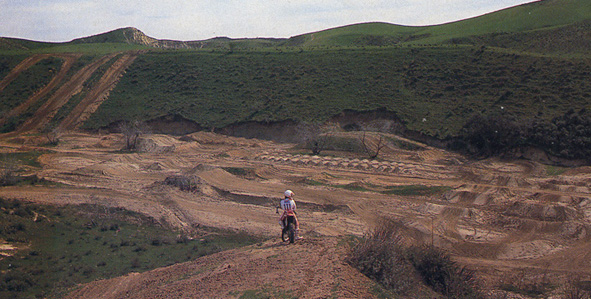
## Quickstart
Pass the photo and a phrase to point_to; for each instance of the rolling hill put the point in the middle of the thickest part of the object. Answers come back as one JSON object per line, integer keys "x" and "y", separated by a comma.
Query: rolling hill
{"x": 530, "y": 61}
{"x": 85, "y": 215}
{"x": 527, "y": 18}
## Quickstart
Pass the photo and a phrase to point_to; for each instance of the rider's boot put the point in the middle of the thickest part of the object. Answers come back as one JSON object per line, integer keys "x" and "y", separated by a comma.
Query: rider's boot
{"x": 297, "y": 234}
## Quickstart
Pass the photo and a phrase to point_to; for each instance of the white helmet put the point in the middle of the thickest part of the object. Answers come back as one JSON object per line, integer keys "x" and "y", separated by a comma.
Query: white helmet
{"x": 288, "y": 193}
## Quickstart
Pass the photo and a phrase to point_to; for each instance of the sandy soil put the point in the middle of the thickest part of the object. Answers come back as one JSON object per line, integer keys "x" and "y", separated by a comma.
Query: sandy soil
{"x": 505, "y": 219}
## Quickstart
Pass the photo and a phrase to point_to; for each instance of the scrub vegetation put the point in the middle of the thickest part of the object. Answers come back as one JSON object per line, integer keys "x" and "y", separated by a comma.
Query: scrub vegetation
{"x": 518, "y": 67}
{"x": 382, "y": 256}
{"x": 61, "y": 246}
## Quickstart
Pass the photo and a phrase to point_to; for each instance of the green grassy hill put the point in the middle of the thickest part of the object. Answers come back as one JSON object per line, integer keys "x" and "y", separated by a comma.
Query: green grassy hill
{"x": 541, "y": 15}
{"x": 443, "y": 85}
{"x": 530, "y": 62}
{"x": 531, "y": 18}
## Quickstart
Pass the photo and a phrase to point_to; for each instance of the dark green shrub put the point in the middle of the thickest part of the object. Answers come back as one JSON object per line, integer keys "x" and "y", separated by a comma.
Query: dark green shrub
{"x": 157, "y": 242}
{"x": 140, "y": 248}
{"x": 16, "y": 281}
{"x": 567, "y": 136}
{"x": 382, "y": 257}
{"x": 135, "y": 263}
{"x": 187, "y": 183}
{"x": 442, "y": 274}
{"x": 492, "y": 134}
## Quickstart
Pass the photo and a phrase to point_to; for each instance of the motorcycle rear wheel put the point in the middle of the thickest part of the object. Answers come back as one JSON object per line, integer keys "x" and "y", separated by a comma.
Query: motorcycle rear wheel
{"x": 291, "y": 232}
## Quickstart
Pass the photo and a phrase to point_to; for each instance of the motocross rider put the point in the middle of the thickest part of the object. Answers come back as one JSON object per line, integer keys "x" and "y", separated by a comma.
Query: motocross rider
{"x": 288, "y": 206}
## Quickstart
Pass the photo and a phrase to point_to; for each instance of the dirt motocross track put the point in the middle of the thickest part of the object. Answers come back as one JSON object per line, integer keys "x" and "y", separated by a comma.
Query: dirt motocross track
{"x": 508, "y": 220}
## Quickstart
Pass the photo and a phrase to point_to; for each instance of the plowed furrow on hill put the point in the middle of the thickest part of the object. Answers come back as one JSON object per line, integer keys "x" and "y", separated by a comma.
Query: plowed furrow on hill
{"x": 98, "y": 94}
{"x": 19, "y": 68}
{"x": 46, "y": 112}
{"x": 69, "y": 60}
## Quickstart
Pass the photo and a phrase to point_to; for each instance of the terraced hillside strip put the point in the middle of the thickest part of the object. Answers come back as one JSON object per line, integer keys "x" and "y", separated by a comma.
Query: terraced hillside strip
{"x": 99, "y": 93}
{"x": 23, "y": 65}
{"x": 46, "y": 112}
{"x": 69, "y": 60}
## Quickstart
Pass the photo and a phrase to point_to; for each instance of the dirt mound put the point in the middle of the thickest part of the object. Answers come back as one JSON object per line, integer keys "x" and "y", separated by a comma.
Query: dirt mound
{"x": 157, "y": 144}
{"x": 312, "y": 268}
{"x": 540, "y": 212}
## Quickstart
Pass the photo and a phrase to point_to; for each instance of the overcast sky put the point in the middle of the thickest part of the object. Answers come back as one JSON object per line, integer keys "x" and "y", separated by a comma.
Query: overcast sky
{"x": 64, "y": 20}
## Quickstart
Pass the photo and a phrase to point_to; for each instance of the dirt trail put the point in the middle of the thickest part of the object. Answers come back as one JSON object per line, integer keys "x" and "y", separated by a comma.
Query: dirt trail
{"x": 46, "y": 112}
{"x": 69, "y": 60}
{"x": 498, "y": 217}
{"x": 98, "y": 94}
{"x": 22, "y": 66}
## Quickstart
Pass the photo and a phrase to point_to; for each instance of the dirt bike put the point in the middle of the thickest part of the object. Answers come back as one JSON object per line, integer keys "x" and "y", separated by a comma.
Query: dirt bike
{"x": 288, "y": 233}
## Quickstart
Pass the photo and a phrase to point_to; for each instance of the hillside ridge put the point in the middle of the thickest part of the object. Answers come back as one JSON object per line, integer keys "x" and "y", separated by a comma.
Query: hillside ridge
{"x": 536, "y": 15}
{"x": 430, "y": 80}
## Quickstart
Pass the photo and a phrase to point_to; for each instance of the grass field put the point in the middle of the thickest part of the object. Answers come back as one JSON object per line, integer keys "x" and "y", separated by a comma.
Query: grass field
{"x": 529, "y": 61}
{"x": 540, "y": 15}
{"x": 64, "y": 246}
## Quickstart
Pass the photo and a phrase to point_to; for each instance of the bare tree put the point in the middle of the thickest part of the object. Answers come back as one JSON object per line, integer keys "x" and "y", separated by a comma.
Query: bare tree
{"x": 316, "y": 136}
{"x": 53, "y": 134}
{"x": 132, "y": 130}
{"x": 372, "y": 148}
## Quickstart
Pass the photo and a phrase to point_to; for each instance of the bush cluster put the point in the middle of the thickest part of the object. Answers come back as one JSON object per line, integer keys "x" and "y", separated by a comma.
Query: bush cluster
{"x": 401, "y": 269}
{"x": 566, "y": 136}
{"x": 187, "y": 183}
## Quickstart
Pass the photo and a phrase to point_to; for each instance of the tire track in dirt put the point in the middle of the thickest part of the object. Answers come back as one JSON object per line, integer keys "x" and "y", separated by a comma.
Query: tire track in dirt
{"x": 99, "y": 93}
{"x": 69, "y": 60}
{"x": 46, "y": 112}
